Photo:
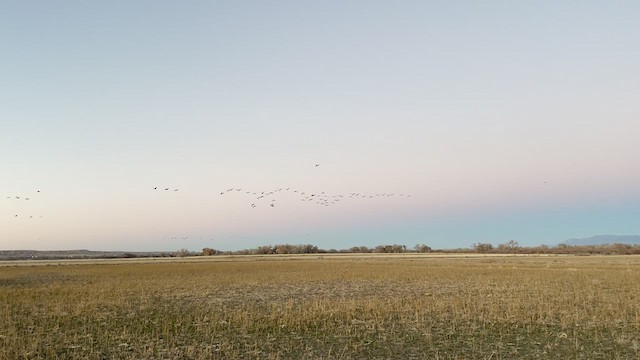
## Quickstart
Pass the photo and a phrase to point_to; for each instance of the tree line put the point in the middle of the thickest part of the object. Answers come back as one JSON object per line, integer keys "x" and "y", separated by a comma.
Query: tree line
{"x": 509, "y": 247}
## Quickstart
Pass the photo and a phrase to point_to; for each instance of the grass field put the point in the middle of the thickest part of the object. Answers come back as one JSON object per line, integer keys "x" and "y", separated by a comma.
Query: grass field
{"x": 324, "y": 307}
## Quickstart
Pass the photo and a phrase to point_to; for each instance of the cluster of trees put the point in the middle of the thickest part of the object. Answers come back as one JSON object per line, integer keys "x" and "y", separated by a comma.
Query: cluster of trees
{"x": 288, "y": 249}
{"x": 312, "y": 249}
{"x": 388, "y": 249}
{"x": 381, "y": 249}
{"x": 267, "y": 250}
{"x": 510, "y": 247}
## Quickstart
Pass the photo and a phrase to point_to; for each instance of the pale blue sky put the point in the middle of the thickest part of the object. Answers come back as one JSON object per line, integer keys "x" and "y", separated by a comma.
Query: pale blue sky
{"x": 504, "y": 120}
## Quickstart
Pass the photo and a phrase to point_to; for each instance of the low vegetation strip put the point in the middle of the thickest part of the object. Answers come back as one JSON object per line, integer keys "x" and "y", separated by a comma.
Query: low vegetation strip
{"x": 346, "y": 308}
{"x": 270, "y": 257}
{"x": 511, "y": 247}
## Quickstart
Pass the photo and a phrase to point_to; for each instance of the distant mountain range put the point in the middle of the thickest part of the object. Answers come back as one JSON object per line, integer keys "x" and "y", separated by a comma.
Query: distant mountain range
{"x": 605, "y": 239}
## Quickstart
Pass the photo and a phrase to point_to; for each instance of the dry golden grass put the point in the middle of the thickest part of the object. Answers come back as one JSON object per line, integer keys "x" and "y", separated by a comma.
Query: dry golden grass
{"x": 325, "y": 308}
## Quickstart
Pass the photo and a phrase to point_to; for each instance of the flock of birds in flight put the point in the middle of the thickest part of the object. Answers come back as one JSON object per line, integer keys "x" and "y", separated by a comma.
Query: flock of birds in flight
{"x": 318, "y": 198}
{"x": 266, "y": 197}
{"x": 23, "y": 198}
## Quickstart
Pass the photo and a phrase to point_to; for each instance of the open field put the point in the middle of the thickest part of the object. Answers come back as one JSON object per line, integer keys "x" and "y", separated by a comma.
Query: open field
{"x": 267, "y": 257}
{"x": 323, "y": 307}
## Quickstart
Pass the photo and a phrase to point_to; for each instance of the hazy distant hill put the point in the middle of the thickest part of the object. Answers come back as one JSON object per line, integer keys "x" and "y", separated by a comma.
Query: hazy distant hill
{"x": 605, "y": 239}
{"x": 72, "y": 254}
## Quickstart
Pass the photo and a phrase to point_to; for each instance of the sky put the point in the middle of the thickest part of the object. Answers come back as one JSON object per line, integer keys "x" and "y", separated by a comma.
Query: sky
{"x": 478, "y": 121}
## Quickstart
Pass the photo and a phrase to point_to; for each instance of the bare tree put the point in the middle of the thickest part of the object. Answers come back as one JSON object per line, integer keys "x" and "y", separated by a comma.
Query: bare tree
{"x": 482, "y": 248}
{"x": 209, "y": 251}
{"x": 510, "y": 246}
{"x": 422, "y": 248}
{"x": 183, "y": 252}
